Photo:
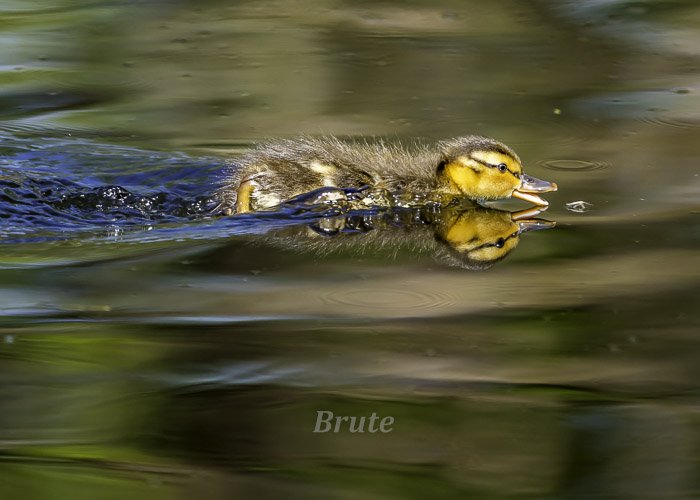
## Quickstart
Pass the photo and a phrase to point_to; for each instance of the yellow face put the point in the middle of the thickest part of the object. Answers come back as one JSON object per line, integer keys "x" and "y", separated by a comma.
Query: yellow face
{"x": 482, "y": 235}
{"x": 488, "y": 175}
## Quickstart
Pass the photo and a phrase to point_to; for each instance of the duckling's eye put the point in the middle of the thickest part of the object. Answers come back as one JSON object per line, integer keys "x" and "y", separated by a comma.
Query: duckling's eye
{"x": 502, "y": 167}
{"x": 499, "y": 243}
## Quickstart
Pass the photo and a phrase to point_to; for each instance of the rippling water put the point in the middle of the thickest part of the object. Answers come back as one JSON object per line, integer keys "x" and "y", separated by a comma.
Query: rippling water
{"x": 151, "y": 348}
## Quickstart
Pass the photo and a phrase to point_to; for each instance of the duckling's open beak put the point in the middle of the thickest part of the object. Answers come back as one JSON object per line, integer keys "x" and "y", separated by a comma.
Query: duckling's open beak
{"x": 530, "y": 186}
{"x": 525, "y": 219}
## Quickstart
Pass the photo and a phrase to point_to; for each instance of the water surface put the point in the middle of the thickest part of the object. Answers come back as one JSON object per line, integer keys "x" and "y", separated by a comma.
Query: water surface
{"x": 149, "y": 348}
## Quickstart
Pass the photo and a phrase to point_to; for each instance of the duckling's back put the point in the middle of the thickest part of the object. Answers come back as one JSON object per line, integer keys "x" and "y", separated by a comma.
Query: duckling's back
{"x": 281, "y": 170}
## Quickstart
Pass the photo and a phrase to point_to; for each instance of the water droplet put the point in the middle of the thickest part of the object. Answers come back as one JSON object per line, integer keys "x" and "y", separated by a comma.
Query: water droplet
{"x": 114, "y": 231}
{"x": 579, "y": 206}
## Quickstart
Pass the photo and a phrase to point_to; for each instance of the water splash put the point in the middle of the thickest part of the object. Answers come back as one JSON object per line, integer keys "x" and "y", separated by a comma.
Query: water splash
{"x": 62, "y": 188}
{"x": 579, "y": 206}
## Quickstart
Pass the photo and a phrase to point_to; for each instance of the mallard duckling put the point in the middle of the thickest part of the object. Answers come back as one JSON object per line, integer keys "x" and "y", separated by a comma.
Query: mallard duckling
{"x": 473, "y": 167}
{"x": 471, "y": 237}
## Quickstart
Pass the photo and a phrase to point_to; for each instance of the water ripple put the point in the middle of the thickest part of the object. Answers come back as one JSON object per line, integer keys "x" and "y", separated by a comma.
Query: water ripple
{"x": 668, "y": 121}
{"x": 390, "y": 298}
{"x": 572, "y": 165}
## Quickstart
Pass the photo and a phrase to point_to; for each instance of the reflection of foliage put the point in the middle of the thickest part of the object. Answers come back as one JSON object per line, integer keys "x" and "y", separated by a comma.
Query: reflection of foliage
{"x": 77, "y": 420}
{"x": 205, "y": 77}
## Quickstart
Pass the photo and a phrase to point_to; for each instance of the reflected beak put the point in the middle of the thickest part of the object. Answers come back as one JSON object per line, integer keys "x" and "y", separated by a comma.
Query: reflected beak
{"x": 525, "y": 219}
{"x": 534, "y": 225}
{"x": 530, "y": 186}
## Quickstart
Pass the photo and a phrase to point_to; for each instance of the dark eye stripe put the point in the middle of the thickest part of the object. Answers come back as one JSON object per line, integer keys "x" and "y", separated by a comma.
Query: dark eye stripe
{"x": 490, "y": 165}
{"x": 499, "y": 243}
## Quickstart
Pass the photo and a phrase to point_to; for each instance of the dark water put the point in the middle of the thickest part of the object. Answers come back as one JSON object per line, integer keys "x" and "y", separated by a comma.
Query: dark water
{"x": 151, "y": 349}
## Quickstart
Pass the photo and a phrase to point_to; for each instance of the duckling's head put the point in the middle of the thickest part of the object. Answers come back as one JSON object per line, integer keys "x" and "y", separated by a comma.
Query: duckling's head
{"x": 485, "y": 169}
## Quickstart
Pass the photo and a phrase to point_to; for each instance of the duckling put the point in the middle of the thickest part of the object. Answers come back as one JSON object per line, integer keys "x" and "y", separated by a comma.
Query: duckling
{"x": 473, "y": 167}
{"x": 467, "y": 236}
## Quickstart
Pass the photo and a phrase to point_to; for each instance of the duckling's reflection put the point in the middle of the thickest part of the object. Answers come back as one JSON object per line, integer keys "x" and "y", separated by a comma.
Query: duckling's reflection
{"x": 471, "y": 237}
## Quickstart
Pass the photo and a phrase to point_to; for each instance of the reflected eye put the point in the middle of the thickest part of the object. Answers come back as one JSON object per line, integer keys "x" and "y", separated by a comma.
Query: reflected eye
{"x": 502, "y": 167}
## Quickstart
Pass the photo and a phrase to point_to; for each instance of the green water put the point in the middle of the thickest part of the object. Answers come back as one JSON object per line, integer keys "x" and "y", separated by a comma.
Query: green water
{"x": 189, "y": 358}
